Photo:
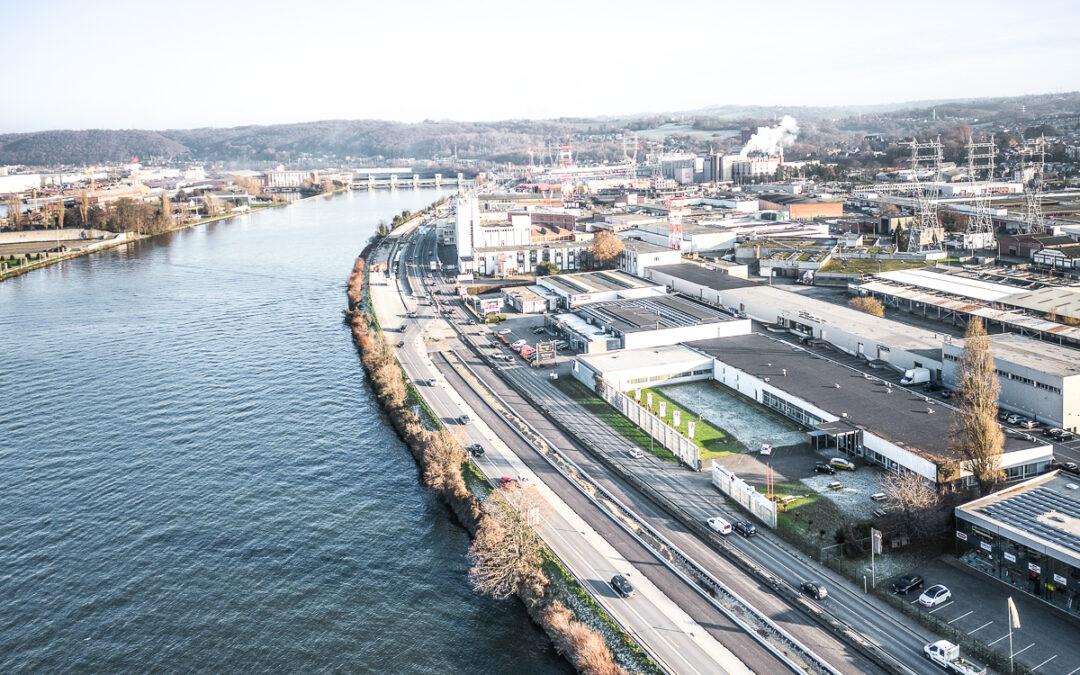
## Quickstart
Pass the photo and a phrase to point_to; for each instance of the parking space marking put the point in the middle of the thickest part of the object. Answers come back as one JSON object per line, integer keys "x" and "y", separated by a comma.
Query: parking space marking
{"x": 914, "y": 601}
{"x": 961, "y": 616}
{"x": 1071, "y": 672}
{"x": 942, "y": 607}
{"x": 1046, "y": 662}
{"x": 1015, "y": 654}
{"x": 991, "y": 644}
{"x": 980, "y": 627}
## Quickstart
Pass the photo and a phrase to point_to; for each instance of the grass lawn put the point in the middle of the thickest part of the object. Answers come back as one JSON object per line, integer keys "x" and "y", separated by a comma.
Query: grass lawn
{"x": 713, "y": 441}
{"x": 802, "y": 521}
{"x": 867, "y": 266}
{"x": 612, "y": 417}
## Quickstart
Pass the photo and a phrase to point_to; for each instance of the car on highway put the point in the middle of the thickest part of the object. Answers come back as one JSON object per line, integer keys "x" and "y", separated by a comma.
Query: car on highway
{"x": 476, "y": 450}
{"x": 635, "y": 452}
{"x": 621, "y": 586}
{"x": 906, "y": 584}
{"x": 430, "y": 382}
{"x": 400, "y": 344}
{"x": 934, "y": 596}
{"x": 841, "y": 463}
{"x": 507, "y": 481}
{"x": 464, "y": 419}
{"x": 815, "y": 589}
{"x": 719, "y": 525}
{"x": 822, "y": 467}
{"x": 745, "y": 528}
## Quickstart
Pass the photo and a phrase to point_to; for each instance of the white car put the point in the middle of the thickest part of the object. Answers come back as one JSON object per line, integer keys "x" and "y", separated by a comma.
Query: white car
{"x": 765, "y": 449}
{"x": 719, "y": 525}
{"x": 504, "y": 331}
{"x": 518, "y": 344}
{"x": 934, "y": 596}
{"x": 636, "y": 453}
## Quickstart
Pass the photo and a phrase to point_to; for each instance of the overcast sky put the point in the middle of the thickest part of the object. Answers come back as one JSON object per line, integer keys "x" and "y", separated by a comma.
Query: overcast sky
{"x": 119, "y": 64}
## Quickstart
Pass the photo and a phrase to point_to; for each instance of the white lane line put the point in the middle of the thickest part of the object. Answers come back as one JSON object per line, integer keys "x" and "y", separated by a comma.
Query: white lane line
{"x": 942, "y": 607}
{"x": 980, "y": 627}
{"x": 991, "y": 644}
{"x": 1073, "y": 671}
{"x": 1015, "y": 654}
{"x": 961, "y": 617}
{"x": 1046, "y": 662}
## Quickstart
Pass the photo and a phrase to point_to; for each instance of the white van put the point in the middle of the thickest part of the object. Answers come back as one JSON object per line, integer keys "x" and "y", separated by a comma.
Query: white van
{"x": 719, "y": 525}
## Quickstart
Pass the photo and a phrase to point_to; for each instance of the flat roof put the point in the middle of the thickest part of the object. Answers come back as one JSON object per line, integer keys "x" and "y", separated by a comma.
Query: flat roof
{"x": 1064, "y": 301}
{"x": 891, "y": 412}
{"x": 1033, "y": 353}
{"x": 633, "y": 315}
{"x": 640, "y": 246}
{"x": 533, "y": 247}
{"x": 595, "y": 282}
{"x": 633, "y": 359}
{"x": 523, "y": 292}
{"x": 1044, "y": 511}
{"x": 949, "y": 283}
{"x": 703, "y": 276}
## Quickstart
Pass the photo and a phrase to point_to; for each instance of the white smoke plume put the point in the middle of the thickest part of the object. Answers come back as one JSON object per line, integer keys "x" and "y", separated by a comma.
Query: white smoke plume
{"x": 769, "y": 140}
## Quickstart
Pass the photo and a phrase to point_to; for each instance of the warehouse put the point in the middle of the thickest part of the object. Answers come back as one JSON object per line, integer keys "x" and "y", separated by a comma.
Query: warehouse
{"x": 857, "y": 414}
{"x": 631, "y": 369}
{"x": 638, "y": 255}
{"x": 646, "y": 322}
{"x": 899, "y": 345}
{"x": 1038, "y": 379}
{"x": 799, "y": 207}
{"x": 1028, "y": 536}
{"x": 586, "y": 287}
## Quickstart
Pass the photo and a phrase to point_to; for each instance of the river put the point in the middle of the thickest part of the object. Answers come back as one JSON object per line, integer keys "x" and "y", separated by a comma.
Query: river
{"x": 193, "y": 476}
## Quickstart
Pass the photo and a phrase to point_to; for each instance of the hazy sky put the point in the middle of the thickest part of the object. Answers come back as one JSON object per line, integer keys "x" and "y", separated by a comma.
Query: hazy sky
{"x": 119, "y": 64}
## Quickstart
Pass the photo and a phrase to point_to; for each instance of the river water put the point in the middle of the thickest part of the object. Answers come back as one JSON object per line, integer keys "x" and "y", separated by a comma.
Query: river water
{"x": 193, "y": 476}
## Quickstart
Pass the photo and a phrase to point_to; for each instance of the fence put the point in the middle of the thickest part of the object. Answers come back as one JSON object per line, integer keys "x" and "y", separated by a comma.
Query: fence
{"x": 744, "y": 495}
{"x": 685, "y": 449}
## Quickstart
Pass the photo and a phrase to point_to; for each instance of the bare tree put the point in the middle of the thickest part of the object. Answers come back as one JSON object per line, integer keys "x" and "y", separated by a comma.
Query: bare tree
{"x": 60, "y": 212}
{"x": 871, "y": 306}
{"x": 976, "y": 435}
{"x": 582, "y": 645}
{"x": 917, "y": 499}
{"x": 14, "y": 211}
{"x": 606, "y": 248}
{"x": 506, "y": 553}
{"x": 84, "y": 208}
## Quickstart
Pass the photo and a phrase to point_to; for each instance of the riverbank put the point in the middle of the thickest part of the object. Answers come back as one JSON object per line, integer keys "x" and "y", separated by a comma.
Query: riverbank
{"x": 125, "y": 238}
{"x": 547, "y": 591}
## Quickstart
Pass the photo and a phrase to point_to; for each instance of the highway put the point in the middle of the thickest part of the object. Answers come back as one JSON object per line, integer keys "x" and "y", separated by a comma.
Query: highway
{"x": 901, "y": 640}
{"x": 591, "y": 544}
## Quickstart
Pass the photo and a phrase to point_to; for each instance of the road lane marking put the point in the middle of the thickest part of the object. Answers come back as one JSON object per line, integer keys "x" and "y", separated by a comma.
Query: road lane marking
{"x": 942, "y": 607}
{"x": 961, "y": 616}
{"x": 1046, "y": 662}
{"x": 1015, "y": 654}
{"x": 980, "y": 627}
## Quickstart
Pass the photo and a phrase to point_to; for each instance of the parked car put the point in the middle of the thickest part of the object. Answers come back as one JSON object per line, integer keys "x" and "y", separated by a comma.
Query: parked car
{"x": 621, "y": 586}
{"x": 814, "y": 589}
{"x": 745, "y": 528}
{"x": 1003, "y": 415}
{"x": 822, "y": 467}
{"x": 1071, "y": 467}
{"x": 935, "y": 596}
{"x": 946, "y": 394}
{"x": 1013, "y": 418}
{"x": 518, "y": 344}
{"x": 1065, "y": 435}
{"x": 538, "y": 330}
{"x": 841, "y": 463}
{"x": 1028, "y": 424}
{"x": 906, "y": 584}
{"x": 1054, "y": 432}
{"x": 504, "y": 331}
{"x": 719, "y": 525}
{"x": 635, "y": 453}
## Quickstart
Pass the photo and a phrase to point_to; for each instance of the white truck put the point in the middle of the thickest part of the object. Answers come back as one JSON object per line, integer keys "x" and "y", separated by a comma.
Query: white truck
{"x": 947, "y": 655}
{"x": 915, "y": 376}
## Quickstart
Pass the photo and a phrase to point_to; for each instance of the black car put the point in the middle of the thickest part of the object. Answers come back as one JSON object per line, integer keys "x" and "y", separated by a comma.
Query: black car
{"x": 821, "y": 467}
{"x": 905, "y": 585}
{"x": 622, "y": 586}
{"x": 1071, "y": 467}
{"x": 745, "y": 528}
{"x": 476, "y": 450}
{"x": 814, "y": 589}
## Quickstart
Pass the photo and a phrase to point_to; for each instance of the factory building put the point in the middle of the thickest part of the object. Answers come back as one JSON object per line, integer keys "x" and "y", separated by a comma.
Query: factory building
{"x": 1028, "y": 536}
{"x": 574, "y": 290}
{"x": 638, "y": 255}
{"x": 1038, "y": 380}
{"x": 799, "y": 207}
{"x": 625, "y": 370}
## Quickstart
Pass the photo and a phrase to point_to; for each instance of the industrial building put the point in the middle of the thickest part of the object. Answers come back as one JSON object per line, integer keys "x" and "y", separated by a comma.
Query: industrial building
{"x": 625, "y": 370}
{"x": 1027, "y": 535}
{"x": 644, "y": 322}
{"x": 574, "y": 290}
{"x": 800, "y": 207}
{"x": 900, "y": 346}
{"x": 528, "y": 299}
{"x": 1038, "y": 380}
{"x": 638, "y": 255}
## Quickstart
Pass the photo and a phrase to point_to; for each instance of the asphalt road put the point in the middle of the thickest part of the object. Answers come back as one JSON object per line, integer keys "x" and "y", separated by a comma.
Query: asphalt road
{"x": 646, "y": 615}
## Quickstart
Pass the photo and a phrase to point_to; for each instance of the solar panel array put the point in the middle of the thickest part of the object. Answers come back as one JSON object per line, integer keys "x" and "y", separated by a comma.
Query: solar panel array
{"x": 1023, "y": 511}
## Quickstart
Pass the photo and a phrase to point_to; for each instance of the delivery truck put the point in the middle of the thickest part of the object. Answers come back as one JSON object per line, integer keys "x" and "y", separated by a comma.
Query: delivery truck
{"x": 947, "y": 655}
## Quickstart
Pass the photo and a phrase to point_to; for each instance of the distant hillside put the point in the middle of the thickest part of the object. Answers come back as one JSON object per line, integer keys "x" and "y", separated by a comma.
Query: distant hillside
{"x": 508, "y": 140}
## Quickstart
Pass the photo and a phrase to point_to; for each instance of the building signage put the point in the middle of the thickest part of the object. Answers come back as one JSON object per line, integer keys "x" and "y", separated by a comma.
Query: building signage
{"x": 488, "y": 305}
{"x": 1034, "y": 568}
{"x": 1009, "y": 556}
{"x": 1058, "y": 579}
{"x": 984, "y": 546}
{"x": 962, "y": 536}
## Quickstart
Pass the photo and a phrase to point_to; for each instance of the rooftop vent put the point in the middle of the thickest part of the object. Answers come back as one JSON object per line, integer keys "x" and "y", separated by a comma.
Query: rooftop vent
{"x": 836, "y": 384}
{"x": 844, "y": 415}
{"x": 1072, "y": 486}
{"x": 783, "y": 371}
{"x": 929, "y": 411}
{"x": 766, "y": 379}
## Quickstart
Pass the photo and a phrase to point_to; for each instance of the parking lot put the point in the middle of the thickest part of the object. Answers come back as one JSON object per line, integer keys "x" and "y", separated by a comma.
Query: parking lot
{"x": 1046, "y": 642}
